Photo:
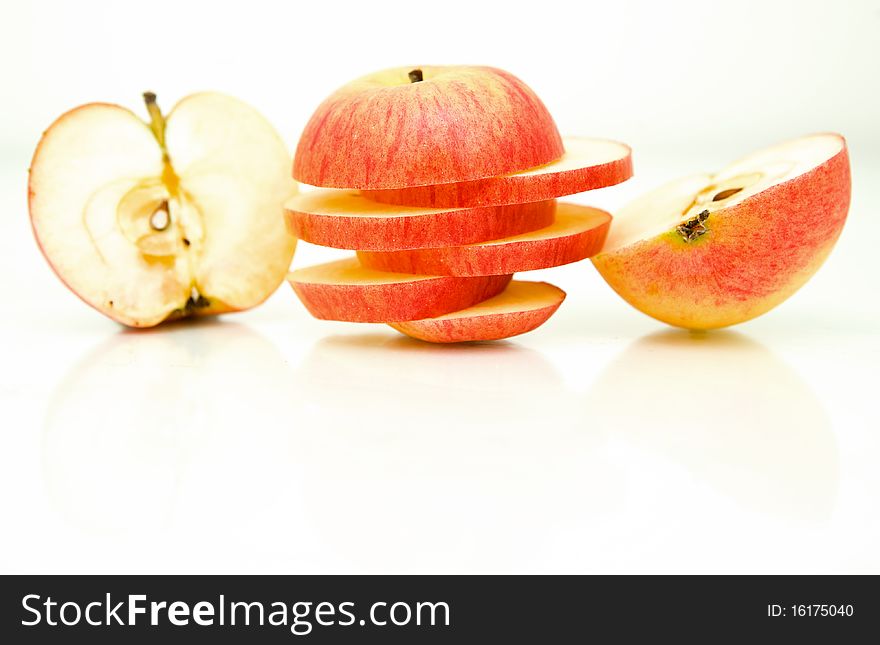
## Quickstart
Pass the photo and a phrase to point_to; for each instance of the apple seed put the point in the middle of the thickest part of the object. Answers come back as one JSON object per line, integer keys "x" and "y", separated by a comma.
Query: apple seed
{"x": 724, "y": 194}
{"x": 160, "y": 219}
{"x": 415, "y": 76}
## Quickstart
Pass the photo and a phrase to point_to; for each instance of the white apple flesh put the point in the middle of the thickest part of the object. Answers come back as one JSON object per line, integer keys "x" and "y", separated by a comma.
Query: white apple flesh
{"x": 151, "y": 222}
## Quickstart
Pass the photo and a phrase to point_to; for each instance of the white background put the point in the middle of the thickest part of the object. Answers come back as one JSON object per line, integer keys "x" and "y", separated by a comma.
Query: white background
{"x": 603, "y": 442}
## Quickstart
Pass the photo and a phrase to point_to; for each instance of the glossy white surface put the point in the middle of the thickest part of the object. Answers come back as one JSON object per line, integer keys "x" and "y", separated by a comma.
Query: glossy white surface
{"x": 602, "y": 442}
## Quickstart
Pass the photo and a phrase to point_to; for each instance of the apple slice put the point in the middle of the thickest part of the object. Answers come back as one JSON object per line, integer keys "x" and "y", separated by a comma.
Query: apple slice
{"x": 520, "y": 308}
{"x": 343, "y": 290}
{"x": 344, "y": 219}
{"x": 182, "y": 216}
{"x": 586, "y": 164}
{"x": 709, "y": 251}
{"x": 414, "y": 126}
{"x": 577, "y": 234}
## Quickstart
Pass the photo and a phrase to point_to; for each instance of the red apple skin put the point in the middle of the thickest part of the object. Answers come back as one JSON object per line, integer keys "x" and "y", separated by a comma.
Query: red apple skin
{"x": 399, "y": 301}
{"x": 448, "y": 228}
{"x": 513, "y": 189}
{"x": 755, "y": 255}
{"x": 496, "y": 257}
{"x": 478, "y": 328}
{"x": 460, "y": 123}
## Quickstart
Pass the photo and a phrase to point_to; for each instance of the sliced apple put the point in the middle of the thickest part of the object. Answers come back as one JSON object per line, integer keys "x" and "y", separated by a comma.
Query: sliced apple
{"x": 344, "y": 219}
{"x": 709, "y": 251}
{"x": 577, "y": 234}
{"x": 413, "y": 126}
{"x": 343, "y": 290}
{"x": 182, "y": 216}
{"x": 587, "y": 164}
{"x": 520, "y": 308}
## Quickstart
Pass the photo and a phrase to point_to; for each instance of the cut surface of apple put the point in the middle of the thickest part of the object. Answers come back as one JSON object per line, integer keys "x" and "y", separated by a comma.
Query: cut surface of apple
{"x": 520, "y": 308}
{"x": 344, "y": 290}
{"x": 344, "y": 219}
{"x": 414, "y": 126}
{"x": 577, "y": 233}
{"x": 181, "y": 216}
{"x": 587, "y": 164}
{"x": 709, "y": 251}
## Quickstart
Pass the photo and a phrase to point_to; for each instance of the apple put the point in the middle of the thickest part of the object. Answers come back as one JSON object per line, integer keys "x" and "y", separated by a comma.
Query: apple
{"x": 708, "y": 251}
{"x": 587, "y": 164}
{"x": 181, "y": 216}
{"x": 343, "y": 290}
{"x": 577, "y": 234}
{"x": 346, "y": 220}
{"x": 414, "y": 126}
{"x": 520, "y": 308}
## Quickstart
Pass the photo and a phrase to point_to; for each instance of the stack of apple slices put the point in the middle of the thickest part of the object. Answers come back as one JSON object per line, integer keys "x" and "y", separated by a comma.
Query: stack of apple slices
{"x": 444, "y": 181}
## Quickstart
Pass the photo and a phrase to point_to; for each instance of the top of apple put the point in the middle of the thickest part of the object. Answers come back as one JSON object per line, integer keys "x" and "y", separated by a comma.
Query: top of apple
{"x": 423, "y": 125}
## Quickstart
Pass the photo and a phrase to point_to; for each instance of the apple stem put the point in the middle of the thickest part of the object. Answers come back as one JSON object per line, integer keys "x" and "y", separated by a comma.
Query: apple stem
{"x": 416, "y": 76}
{"x": 157, "y": 121}
{"x": 157, "y": 126}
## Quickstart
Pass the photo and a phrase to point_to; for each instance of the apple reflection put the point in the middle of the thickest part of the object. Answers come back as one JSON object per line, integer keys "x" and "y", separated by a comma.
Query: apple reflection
{"x": 137, "y": 428}
{"x": 375, "y": 451}
{"x": 444, "y": 457}
{"x": 729, "y": 411}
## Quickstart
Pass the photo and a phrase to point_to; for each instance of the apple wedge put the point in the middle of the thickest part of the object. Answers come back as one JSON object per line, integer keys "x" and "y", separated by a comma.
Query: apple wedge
{"x": 520, "y": 308}
{"x": 344, "y": 219}
{"x": 343, "y": 290}
{"x": 414, "y": 126}
{"x": 710, "y": 251}
{"x": 577, "y": 234}
{"x": 587, "y": 164}
{"x": 181, "y": 216}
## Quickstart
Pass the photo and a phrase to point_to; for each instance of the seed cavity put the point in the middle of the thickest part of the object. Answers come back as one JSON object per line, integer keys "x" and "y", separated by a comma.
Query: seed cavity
{"x": 160, "y": 219}
{"x": 415, "y": 76}
{"x": 724, "y": 194}
{"x": 694, "y": 227}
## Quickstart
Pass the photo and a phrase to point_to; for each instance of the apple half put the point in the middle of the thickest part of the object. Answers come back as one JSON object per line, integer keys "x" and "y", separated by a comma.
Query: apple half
{"x": 154, "y": 221}
{"x": 520, "y": 308}
{"x": 586, "y": 165}
{"x": 346, "y": 220}
{"x": 577, "y": 233}
{"x": 709, "y": 251}
{"x": 343, "y": 290}
{"x": 414, "y": 126}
